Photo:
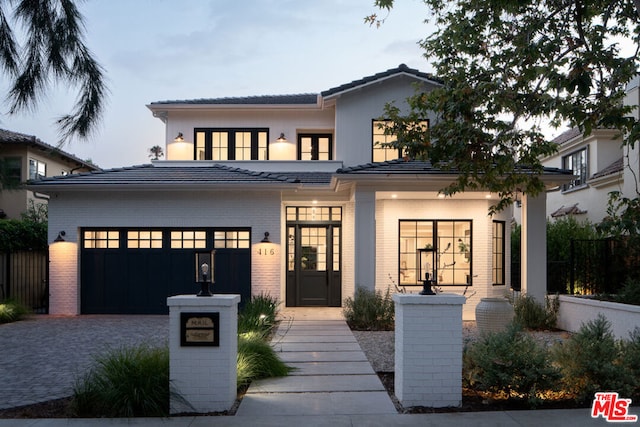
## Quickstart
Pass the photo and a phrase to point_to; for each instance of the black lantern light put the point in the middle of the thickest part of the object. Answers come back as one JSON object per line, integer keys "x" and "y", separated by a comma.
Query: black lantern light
{"x": 205, "y": 262}
{"x": 426, "y": 270}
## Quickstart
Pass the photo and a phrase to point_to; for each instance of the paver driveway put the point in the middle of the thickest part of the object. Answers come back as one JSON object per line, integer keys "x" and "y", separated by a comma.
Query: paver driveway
{"x": 41, "y": 357}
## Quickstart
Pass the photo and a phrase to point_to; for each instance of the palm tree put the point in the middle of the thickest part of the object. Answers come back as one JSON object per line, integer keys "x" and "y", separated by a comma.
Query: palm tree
{"x": 155, "y": 152}
{"x": 53, "y": 51}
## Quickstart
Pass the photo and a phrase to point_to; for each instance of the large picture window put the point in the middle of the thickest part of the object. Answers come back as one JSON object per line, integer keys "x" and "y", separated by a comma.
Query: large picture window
{"x": 450, "y": 245}
{"x": 576, "y": 163}
{"x": 231, "y": 144}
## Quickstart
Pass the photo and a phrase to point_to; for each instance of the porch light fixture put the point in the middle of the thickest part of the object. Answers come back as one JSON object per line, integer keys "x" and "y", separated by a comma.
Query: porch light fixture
{"x": 205, "y": 262}
{"x": 266, "y": 238}
{"x": 426, "y": 264}
{"x": 282, "y": 138}
{"x": 179, "y": 138}
{"x": 60, "y": 237}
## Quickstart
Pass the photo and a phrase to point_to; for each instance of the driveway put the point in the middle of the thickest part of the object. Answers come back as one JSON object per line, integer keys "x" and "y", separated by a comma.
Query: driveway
{"x": 41, "y": 357}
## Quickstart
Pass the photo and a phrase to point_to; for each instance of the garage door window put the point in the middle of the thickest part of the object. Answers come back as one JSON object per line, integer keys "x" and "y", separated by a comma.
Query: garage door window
{"x": 101, "y": 239}
{"x": 144, "y": 239}
{"x": 190, "y": 239}
{"x": 231, "y": 239}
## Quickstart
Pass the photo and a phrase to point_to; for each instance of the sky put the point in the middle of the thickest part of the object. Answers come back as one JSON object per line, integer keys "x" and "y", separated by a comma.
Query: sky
{"x": 155, "y": 50}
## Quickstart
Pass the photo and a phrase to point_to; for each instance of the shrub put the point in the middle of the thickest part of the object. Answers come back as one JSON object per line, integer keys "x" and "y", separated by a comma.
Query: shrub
{"x": 369, "y": 310}
{"x": 510, "y": 363}
{"x": 630, "y": 356}
{"x": 12, "y": 311}
{"x": 530, "y": 314}
{"x": 630, "y": 292}
{"x": 590, "y": 361}
{"x": 258, "y": 315}
{"x": 127, "y": 382}
{"x": 257, "y": 359}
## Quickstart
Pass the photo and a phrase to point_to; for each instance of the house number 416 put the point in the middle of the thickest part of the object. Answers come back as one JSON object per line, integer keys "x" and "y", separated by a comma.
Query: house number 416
{"x": 266, "y": 251}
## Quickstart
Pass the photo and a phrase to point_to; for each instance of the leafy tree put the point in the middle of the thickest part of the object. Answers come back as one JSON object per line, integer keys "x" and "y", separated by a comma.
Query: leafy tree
{"x": 507, "y": 68}
{"x": 53, "y": 50}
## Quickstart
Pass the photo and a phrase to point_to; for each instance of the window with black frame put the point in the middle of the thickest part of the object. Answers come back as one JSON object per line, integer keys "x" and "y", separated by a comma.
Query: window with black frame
{"x": 578, "y": 164}
{"x": 231, "y": 144}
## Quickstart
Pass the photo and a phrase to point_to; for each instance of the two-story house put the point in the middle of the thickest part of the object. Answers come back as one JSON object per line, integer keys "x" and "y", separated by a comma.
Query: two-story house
{"x": 25, "y": 157}
{"x": 298, "y": 199}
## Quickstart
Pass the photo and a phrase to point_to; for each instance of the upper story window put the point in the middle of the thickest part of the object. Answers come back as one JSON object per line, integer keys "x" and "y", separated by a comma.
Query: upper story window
{"x": 577, "y": 163}
{"x": 12, "y": 170}
{"x": 231, "y": 144}
{"x": 37, "y": 169}
{"x": 381, "y": 136}
{"x": 315, "y": 147}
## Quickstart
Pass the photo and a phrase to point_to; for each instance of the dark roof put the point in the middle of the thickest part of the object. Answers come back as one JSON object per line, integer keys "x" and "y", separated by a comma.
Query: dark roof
{"x": 17, "y": 138}
{"x": 564, "y": 211}
{"x": 192, "y": 175}
{"x": 615, "y": 167}
{"x": 401, "y": 69}
{"x": 401, "y": 166}
{"x": 566, "y": 136}
{"x": 295, "y": 99}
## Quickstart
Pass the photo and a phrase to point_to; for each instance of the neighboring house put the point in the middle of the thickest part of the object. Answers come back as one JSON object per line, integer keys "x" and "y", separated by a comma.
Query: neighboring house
{"x": 600, "y": 165}
{"x": 297, "y": 198}
{"x": 25, "y": 157}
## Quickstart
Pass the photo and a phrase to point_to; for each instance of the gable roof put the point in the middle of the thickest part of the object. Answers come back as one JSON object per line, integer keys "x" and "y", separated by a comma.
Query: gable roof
{"x": 203, "y": 175}
{"x": 8, "y": 137}
{"x": 392, "y": 72}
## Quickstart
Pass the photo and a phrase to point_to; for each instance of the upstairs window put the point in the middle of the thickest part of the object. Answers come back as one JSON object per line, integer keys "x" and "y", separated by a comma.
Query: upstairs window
{"x": 577, "y": 163}
{"x": 231, "y": 144}
{"x": 315, "y": 147}
{"x": 12, "y": 170}
{"x": 37, "y": 169}
{"x": 380, "y": 129}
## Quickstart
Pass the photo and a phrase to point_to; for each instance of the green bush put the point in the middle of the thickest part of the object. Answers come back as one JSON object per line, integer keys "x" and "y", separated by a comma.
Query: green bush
{"x": 510, "y": 363}
{"x": 257, "y": 359}
{"x": 530, "y": 314}
{"x": 630, "y": 292}
{"x": 630, "y": 360}
{"x": 12, "y": 311}
{"x": 370, "y": 311}
{"x": 126, "y": 382}
{"x": 591, "y": 361}
{"x": 258, "y": 315}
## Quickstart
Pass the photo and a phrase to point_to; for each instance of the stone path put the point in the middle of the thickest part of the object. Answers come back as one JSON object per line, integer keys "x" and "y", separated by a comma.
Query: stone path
{"x": 332, "y": 375}
{"x": 40, "y": 358}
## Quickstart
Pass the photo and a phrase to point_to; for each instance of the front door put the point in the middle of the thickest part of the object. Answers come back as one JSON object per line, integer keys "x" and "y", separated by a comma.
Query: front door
{"x": 313, "y": 271}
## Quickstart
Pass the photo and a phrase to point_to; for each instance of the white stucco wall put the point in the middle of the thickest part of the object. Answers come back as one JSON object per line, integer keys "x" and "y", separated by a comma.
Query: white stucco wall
{"x": 388, "y": 214}
{"x": 356, "y": 110}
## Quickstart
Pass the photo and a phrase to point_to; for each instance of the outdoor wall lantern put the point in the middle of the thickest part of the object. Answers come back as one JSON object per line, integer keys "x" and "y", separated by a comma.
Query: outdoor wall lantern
{"x": 266, "y": 238}
{"x": 205, "y": 262}
{"x": 179, "y": 138}
{"x": 282, "y": 138}
{"x": 426, "y": 259}
{"x": 60, "y": 237}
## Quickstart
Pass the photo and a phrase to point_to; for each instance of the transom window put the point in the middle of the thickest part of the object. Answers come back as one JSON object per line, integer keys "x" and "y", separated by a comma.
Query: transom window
{"x": 37, "y": 169}
{"x": 380, "y": 129}
{"x": 231, "y": 144}
{"x": 448, "y": 244}
{"x": 497, "y": 259}
{"x": 314, "y": 147}
{"x": 312, "y": 213}
{"x": 576, "y": 163}
{"x": 101, "y": 239}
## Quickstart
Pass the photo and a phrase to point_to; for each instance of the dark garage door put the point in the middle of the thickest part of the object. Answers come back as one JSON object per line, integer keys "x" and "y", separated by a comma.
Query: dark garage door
{"x": 133, "y": 271}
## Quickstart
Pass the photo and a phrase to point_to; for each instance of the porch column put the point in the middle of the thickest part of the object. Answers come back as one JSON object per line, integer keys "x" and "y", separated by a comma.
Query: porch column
{"x": 365, "y": 239}
{"x": 534, "y": 246}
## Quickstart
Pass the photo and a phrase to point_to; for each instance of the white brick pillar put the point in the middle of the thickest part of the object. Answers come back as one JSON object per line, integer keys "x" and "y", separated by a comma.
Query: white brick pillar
{"x": 534, "y": 247}
{"x": 204, "y": 374}
{"x": 428, "y": 354}
{"x": 64, "y": 295}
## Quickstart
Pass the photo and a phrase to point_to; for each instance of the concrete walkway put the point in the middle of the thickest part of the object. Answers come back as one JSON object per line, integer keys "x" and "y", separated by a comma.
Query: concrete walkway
{"x": 331, "y": 373}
